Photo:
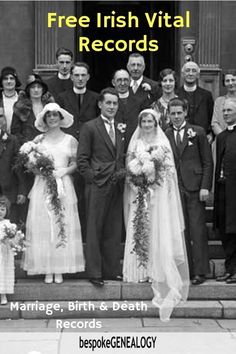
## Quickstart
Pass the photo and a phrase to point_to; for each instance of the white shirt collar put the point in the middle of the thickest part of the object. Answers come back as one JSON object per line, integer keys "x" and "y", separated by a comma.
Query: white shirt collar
{"x": 79, "y": 91}
{"x": 191, "y": 88}
{"x": 63, "y": 77}
{"x": 181, "y": 127}
{"x": 106, "y": 120}
{"x": 138, "y": 81}
{"x": 231, "y": 127}
{"x": 124, "y": 95}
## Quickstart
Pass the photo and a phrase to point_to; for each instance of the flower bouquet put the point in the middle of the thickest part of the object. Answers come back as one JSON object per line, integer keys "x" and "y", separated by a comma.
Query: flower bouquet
{"x": 12, "y": 236}
{"x": 34, "y": 158}
{"x": 146, "y": 170}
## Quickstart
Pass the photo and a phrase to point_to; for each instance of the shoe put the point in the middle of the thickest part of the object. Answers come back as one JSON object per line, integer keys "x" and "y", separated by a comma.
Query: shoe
{"x": 97, "y": 281}
{"x": 223, "y": 277}
{"x": 198, "y": 279}
{"x": 232, "y": 279}
{"x": 58, "y": 278}
{"x": 3, "y": 299}
{"x": 144, "y": 280}
{"x": 48, "y": 279}
{"x": 117, "y": 278}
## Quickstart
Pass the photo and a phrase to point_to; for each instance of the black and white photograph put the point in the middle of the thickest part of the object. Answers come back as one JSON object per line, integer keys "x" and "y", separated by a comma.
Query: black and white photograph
{"x": 117, "y": 177}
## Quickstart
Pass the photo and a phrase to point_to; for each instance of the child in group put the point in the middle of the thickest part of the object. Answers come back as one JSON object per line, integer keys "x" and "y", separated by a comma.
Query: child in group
{"x": 7, "y": 275}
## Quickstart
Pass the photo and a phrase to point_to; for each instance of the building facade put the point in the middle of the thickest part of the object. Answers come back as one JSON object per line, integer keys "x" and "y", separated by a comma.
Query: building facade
{"x": 27, "y": 43}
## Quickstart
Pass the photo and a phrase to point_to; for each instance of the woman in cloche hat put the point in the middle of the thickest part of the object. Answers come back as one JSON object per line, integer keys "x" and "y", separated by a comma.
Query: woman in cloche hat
{"x": 9, "y": 89}
{"x": 31, "y": 101}
{"x": 42, "y": 256}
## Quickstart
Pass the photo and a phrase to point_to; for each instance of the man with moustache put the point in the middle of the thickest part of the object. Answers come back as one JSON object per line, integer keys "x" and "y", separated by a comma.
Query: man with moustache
{"x": 143, "y": 88}
{"x": 61, "y": 81}
{"x": 225, "y": 190}
{"x": 194, "y": 167}
{"x": 100, "y": 159}
{"x": 129, "y": 106}
{"x": 200, "y": 101}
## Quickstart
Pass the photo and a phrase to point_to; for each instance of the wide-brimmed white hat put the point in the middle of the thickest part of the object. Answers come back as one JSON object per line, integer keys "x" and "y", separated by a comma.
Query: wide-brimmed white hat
{"x": 66, "y": 122}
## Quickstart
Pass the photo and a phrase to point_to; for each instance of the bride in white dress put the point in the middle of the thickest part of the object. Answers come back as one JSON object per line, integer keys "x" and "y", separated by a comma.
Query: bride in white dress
{"x": 42, "y": 256}
{"x": 167, "y": 266}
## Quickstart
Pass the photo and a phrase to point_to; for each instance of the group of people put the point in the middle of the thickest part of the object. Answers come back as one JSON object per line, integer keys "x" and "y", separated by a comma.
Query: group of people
{"x": 139, "y": 154}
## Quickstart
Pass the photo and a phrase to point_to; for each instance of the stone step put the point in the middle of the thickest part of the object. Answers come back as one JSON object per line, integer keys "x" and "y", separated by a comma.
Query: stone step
{"x": 216, "y": 266}
{"x": 114, "y": 309}
{"x": 81, "y": 290}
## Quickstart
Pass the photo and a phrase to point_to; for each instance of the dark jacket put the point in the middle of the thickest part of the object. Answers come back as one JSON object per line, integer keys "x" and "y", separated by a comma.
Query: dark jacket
{"x": 98, "y": 159}
{"x": 200, "y": 112}
{"x": 193, "y": 162}
{"x": 89, "y": 109}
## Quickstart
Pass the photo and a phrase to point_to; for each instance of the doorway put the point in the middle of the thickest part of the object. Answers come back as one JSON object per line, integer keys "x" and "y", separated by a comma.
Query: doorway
{"x": 103, "y": 64}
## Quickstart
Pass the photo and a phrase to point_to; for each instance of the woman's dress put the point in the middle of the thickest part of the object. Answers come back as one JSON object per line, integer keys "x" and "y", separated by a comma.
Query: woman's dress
{"x": 42, "y": 256}
{"x": 167, "y": 266}
{"x": 7, "y": 269}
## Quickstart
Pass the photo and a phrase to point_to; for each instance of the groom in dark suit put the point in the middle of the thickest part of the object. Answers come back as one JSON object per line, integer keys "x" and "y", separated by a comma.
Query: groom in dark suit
{"x": 194, "y": 167}
{"x": 100, "y": 159}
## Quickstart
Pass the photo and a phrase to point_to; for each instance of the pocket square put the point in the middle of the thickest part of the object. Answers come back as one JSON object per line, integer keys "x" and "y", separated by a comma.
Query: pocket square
{"x": 190, "y": 143}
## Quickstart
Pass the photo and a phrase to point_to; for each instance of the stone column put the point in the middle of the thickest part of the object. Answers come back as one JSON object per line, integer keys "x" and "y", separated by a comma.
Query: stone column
{"x": 209, "y": 44}
{"x": 46, "y": 39}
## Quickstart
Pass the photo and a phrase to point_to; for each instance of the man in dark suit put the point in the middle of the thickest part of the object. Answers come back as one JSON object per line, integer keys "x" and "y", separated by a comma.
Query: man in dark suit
{"x": 143, "y": 88}
{"x": 100, "y": 159}
{"x": 129, "y": 106}
{"x": 12, "y": 184}
{"x": 200, "y": 101}
{"x": 78, "y": 100}
{"x": 61, "y": 81}
{"x": 194, "y": 167}
{"x": 225, "y": 190}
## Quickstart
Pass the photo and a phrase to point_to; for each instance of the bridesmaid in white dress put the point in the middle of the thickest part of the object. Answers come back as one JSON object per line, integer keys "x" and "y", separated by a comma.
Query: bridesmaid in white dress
{"x": 7, "y": 269}
{"x": 167, "y": 266}
{"x": 42, "y": 256}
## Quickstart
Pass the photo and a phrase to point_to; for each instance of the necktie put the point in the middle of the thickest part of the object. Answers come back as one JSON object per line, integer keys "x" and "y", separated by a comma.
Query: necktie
{"x": 178, "y": 137}
{"x": 135, "y": 86}
{"x": 111, "y": 133}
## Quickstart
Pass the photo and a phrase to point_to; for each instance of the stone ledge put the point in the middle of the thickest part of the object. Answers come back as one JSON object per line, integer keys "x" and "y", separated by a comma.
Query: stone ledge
{"x": 133, "y": 309}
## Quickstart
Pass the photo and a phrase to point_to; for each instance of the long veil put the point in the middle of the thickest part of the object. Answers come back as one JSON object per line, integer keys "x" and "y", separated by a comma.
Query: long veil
{"x": 167, "y": 265}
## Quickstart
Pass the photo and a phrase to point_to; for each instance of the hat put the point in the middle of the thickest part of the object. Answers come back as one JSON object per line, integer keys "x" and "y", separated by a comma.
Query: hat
{"x": 8, "y": 70}
{"x": 156, "y": 115}
{"x": 66, "y": 122}
{"x": 35, "y": 79}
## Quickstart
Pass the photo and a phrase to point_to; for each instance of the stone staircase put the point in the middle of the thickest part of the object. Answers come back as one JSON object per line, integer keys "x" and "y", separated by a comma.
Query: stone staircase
{"x": 77, "y": 298}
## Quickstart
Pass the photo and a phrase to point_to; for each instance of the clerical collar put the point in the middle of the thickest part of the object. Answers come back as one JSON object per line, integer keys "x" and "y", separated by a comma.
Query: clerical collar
{"x": 138, "y": 81}
{"x": 124, "y": 95}
{"x": 79, "y": 91}
{"x": 231, "y": 127}
{"x": 106, "y": 120}
{"x": 181, "y": 127}
{"x": 191, "y": 88}
{"x": 63, "y": 77}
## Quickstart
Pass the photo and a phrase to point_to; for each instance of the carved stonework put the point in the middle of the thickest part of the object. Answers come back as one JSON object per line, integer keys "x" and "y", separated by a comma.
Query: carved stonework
{"x": 45, "y": 38}
{"x": 209, "y": 45}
